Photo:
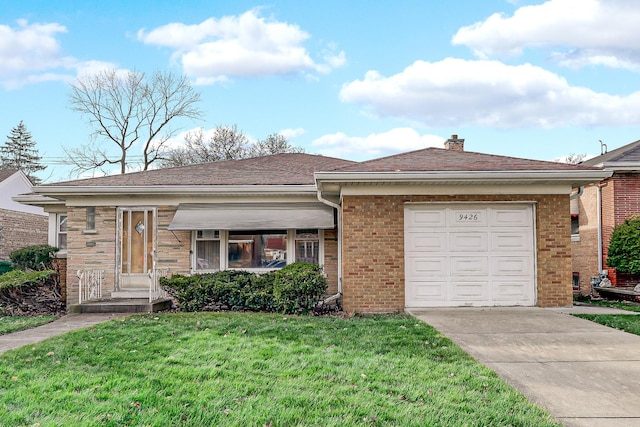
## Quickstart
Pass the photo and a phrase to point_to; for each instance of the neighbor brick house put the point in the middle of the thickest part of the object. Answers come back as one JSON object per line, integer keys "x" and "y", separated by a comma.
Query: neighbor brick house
{"x": 598, "y": 208}
{"x": 20, "y": 225}
{"x": 433, "y": 227}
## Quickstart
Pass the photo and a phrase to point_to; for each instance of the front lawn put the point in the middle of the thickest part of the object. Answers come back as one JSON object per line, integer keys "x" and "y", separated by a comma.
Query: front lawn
{"x": 625, "y": 322}
{"x": 10, "y": 324}
{"x": 242, "y": 369}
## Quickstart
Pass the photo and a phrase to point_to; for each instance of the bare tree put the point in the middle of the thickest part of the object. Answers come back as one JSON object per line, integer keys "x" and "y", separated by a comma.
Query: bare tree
{"x": 226, "y": 143}
{"x": 574, "y": 159}
{"x": 130, "y": 111}
{"x": 273, "y": 144}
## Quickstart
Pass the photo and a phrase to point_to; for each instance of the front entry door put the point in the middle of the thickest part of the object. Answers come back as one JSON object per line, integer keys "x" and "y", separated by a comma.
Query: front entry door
{"x": 137, "y": 232}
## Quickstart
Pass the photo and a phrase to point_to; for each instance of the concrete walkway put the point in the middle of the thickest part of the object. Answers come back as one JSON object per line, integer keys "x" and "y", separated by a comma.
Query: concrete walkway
{"x": 66, "y": 323}
{"x": 583, "y": 373}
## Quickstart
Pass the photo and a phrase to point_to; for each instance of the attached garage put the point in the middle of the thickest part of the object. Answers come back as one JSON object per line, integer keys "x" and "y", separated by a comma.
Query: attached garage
{"x": 477, "y": 254}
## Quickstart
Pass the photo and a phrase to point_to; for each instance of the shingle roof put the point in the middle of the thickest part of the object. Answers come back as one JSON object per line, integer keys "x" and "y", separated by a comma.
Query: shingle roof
{"x": 277, "y": 169}
{"x": 438, "y": 159}
{"x": 629, "y": 153}
{"x": 6, "y": 173}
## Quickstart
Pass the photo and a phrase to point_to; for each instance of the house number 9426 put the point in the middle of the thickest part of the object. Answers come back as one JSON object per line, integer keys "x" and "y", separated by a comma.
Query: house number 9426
{"x": 468, "y": 217}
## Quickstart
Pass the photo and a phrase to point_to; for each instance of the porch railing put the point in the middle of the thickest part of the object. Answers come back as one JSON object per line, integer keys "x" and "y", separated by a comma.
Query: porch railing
{"x": 90, "y": 284}
{"x": 155, "y": 290}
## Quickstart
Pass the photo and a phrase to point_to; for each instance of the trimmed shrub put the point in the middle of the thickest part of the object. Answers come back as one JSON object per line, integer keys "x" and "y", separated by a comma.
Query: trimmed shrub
{"x": 296, "y": 287}
{"x": 35, "y": 257}
{"x": 624, "y": 247}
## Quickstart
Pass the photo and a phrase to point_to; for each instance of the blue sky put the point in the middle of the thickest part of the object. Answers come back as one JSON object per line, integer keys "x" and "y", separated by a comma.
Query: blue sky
{"x": 353, "y": 79}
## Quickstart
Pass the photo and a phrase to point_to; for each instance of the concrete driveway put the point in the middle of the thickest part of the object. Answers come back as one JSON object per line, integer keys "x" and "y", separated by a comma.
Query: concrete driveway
{"x": 583, "y": 373}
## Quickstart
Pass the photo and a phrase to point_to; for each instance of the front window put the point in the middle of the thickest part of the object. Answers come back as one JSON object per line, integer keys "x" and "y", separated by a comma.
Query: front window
{"x": 61, "y": 232}
{"x": 207, "y": 250}
{"x": 308, "y": 246}
{"x": 257, "y": 249}
{"x": 214, "y": 250}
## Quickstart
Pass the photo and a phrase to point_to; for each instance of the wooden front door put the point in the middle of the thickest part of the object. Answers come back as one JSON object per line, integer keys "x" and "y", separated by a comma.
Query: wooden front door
{"x": 137, "y": 235}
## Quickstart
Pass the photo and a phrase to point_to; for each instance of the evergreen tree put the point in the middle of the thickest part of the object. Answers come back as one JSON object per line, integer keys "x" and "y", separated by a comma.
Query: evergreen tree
{"x": 20, "y": 152}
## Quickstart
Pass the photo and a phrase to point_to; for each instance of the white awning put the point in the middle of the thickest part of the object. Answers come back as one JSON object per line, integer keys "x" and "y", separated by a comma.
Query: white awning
{"x": 252, "y": 216}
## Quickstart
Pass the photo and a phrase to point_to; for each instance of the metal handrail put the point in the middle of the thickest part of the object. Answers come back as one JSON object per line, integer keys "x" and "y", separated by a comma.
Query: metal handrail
{"x": 90, "y": 284}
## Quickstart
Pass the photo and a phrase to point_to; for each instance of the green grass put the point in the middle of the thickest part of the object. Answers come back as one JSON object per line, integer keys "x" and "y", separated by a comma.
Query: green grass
{"x": 625, "y": 322}
{"x": 621, "y": 304}
{"x": 10, "y": 324}
{"x": 238, "y": 369}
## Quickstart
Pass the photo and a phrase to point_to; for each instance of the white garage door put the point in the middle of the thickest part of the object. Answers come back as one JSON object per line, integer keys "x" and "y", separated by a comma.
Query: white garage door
{"x": 469, "y": 255}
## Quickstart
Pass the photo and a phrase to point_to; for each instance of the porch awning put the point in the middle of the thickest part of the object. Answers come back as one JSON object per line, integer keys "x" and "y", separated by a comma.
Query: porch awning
{"x": 252, "y": 216}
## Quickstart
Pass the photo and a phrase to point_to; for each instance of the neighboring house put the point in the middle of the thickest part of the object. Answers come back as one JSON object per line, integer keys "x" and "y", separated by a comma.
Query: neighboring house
{"x": 428, "y": 228}
{"x": 598, "y": 208}
{"x": 20, "y": 225}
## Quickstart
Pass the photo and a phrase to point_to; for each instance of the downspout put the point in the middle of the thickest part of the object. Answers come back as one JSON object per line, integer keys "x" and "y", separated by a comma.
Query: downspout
{"x": 339, "y": 237}
{"x": 599, "y": 206}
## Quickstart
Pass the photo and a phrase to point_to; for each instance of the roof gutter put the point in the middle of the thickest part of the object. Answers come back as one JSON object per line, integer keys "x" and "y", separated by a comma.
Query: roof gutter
{"x": 575, "y": 178}
{"x": 199, "y": 190}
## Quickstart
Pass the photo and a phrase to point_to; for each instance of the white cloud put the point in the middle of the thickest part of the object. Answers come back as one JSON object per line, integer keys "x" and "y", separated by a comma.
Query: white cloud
{"x": 290, "y": 133}
{"x": 582, "y": 32}
{"x": 28, "y": 53}
{"x": 394, "y": 141}
{"x": 456, "y": 92}
{"x": 247, "y": 45}
{"x": 31, "y": 53}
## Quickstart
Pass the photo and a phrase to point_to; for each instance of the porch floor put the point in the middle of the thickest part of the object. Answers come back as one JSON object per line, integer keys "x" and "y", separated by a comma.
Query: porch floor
{"x": 121, "y": 305}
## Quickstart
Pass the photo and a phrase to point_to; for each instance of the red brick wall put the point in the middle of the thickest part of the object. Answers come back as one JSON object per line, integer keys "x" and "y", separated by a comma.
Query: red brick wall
{"x": 621, "y": 200}
{"x": 373, "y": 249}
{"x": 20, "y": 229}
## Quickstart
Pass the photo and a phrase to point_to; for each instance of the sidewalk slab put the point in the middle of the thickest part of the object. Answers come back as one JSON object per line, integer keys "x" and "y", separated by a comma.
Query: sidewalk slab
{"x": 64, "y": 324}
{"x": 583, "y": 373}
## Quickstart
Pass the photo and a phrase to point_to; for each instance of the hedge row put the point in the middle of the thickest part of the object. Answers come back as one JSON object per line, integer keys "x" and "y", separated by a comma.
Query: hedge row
{"x": 294, "y": 288}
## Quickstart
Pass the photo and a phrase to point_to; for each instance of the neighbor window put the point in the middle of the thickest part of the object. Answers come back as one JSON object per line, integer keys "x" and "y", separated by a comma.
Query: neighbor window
{"x": 575, "y": 225}
{"x": 257, "y": 249}
{"x": 61, "y": 232}
{"x": 207, "y": 250}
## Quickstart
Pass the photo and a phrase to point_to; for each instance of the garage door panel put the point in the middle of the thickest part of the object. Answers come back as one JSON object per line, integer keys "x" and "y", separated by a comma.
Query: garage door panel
{"x": 468, "y": 242}
{"x": 429, "y": 219}
{"x": 428, "y": 291}
{"x": 469, "y": 291}
{"x": 510, "y": 217}
{"x": 511, "y": 266}
{"x": 511, "y": 241}
{"x": 467, "y": 218}
{"x": 469, "y": 265}
{"x": 426, "y": 242}
{"x": 512, "y": 290}
{"x": 427, "y": 267}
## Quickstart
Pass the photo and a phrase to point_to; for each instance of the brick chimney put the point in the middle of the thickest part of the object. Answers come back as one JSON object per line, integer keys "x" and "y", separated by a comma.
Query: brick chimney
{"x": 454, "y": 143}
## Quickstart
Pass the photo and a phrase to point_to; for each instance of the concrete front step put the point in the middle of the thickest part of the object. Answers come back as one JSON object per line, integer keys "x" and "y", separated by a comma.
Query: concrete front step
{"x": 121, "y": 306}
{"x": 131, "y": 294}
